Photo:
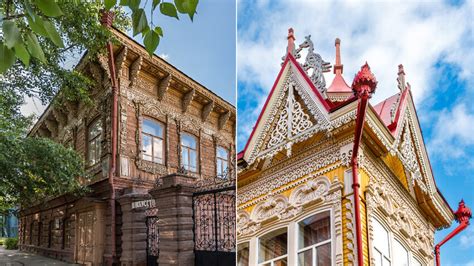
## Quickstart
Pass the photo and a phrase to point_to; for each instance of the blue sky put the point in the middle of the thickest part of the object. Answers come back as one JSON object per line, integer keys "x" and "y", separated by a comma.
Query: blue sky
{"x": 203, "y": 49}
{"x": 432, "y": 39}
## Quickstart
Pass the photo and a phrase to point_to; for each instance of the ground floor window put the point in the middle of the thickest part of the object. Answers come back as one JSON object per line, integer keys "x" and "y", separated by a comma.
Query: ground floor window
{"x": 243, "y": 254}
{"x": 303, "y": 242}
{"x": 387, "y": 250}
{"x": 273, "y": 248}
{"x": 314, "y": 240}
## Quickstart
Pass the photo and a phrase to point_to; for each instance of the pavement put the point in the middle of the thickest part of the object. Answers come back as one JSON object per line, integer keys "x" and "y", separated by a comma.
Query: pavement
{"x": 17, "y": 257}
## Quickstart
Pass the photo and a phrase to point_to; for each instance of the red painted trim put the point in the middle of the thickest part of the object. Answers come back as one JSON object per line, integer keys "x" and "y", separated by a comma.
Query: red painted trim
{"x": 266, "y": 102}
{"x": 289, "y": 57}
{"x": 401, "y": 107}
{"x": 305, "y": 76}
{"x": 463, "y": 214}
{"x": 361, "y": 111}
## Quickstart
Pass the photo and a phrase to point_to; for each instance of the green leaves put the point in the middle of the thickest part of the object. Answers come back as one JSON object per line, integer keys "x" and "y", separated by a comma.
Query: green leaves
{"x": 49, "y": 7}
{"x": 152, "y": 39}
{"x": 187, "y": 7}
{"x": 7, "y": 57}
{"x": 34, "y": 47}
{"x": 139, "y": 21}
{"x": 53, "y": 34}
{"x": 22, "y": 54}
{"x": 109, "y": 4}
{"x": 155, "y": 3}
{"x": 11, "y": 33}
{"x": 168, "y": 9}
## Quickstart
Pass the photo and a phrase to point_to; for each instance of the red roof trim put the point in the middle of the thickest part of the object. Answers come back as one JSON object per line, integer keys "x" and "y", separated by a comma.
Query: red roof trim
{"x": 266, "y": 102}
{"x": 315, "y": 90}
{"x": 394, "y": 125}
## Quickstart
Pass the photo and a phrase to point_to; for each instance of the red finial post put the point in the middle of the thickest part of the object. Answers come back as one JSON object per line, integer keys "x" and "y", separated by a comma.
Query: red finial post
{"x": 338, "y": 65}
{"x": 462, "y": 216}
{"x": 291, "y": 41}
{"x": 364, "y": 83}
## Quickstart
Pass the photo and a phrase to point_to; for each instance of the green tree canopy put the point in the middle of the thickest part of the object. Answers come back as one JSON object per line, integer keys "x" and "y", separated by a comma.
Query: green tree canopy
{"x": 38, "y": 41}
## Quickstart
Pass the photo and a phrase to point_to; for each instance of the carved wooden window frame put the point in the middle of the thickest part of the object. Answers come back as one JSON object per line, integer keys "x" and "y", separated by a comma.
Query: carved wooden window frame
{"x": 196, "y": 150}
{"x": 241, "y": 246}
{"x": 220, "y": 172}
{"x": 98, "y": 138}
{"x": 163, "y": 139}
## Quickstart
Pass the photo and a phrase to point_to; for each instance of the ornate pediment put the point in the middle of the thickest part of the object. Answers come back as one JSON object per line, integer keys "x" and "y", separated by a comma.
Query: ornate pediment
{"x": 294, "y": 113}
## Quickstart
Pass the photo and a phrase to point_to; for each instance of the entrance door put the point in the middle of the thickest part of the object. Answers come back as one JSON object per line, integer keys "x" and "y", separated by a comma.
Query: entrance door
{"x": 85, "y": 241}
{"x": 153, "y": 241}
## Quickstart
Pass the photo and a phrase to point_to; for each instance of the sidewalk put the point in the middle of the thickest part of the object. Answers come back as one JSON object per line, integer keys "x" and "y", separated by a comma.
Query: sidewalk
{"x": 16, "y": 257}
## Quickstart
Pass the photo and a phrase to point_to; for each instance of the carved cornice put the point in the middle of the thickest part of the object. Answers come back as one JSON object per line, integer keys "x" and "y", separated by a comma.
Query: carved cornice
{"x": 163, "y": 86}
{"x": 187, "y": 99}
{"x": 206, "y": 111}
{"x": 135, "y": 70}
{"x": 223, "y": 118}
{"x": 120, "y": 60}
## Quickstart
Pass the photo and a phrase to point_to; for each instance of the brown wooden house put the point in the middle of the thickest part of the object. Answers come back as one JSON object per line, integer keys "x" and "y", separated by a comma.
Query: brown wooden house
{"x": 174, "y": 137}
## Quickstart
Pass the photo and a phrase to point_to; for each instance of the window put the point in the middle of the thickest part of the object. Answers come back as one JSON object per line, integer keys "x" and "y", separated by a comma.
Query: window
{"x": 222, "y": 161}
{"x": 416, "y": 262}
{"x": 272, "y": 248}
{"x": 94, "y": 138}
{"x": 381, "y": 245}
{"x": 314, "y": 240}
{"x": 243, "y": 254}
{"x": 152, "y": 141}
{"x": 188, "y": 152}
{"x": 400, "y": 254}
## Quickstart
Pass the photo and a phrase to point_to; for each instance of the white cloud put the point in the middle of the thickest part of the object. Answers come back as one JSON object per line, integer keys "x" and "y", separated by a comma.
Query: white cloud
{"x": 466, "y": 240}
{"x": 453, "y": 132}
{"x": 381, "y": 32}
{"x": 164, "y": 56}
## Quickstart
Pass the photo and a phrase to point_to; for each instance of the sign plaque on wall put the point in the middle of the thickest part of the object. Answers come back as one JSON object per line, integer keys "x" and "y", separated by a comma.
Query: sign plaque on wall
{"x": 144, "y": 203}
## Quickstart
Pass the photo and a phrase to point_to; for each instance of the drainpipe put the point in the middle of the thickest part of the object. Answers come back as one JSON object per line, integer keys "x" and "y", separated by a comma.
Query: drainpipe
{"x": 462, "y": 216}
{"x": 106, "y": 20}
{"x": 363, "y": 86}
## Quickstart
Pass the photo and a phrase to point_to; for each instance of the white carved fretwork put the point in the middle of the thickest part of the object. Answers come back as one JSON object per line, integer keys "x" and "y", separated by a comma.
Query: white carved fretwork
{"x": 409, "y": 158}
{"x": 317, "y": 193}
{"x": 292, "y": 121}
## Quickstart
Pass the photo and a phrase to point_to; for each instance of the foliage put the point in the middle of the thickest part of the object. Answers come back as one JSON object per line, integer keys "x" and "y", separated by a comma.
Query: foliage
{"x": 31, "y": 168}
{"x": 38, "y": 41}
{"x": 2, "y": 240}
{"x": 11, "y": 243}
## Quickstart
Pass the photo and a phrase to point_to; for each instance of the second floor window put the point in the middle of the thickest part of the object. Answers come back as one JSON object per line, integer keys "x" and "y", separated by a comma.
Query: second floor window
{"x": 189, "y": 152}
{"x": 94, "y": 148}
{"x": 381, "y": 245}
{"x": 152, "y": 141}
{"x": 222, "y": 162}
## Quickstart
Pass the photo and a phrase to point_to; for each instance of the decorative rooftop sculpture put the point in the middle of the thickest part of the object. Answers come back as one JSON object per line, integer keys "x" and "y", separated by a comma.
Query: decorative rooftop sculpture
{"x": 315, "y": 62}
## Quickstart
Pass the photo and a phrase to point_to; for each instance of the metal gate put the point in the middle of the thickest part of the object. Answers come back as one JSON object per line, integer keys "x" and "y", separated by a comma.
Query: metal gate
{"x": 214, "y": 226}
{"x": 153, "y": 241}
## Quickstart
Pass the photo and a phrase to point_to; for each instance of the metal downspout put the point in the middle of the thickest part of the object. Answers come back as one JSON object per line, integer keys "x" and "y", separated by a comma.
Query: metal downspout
{"x": 363, "y": 86}
{"x": 106, "y": 20}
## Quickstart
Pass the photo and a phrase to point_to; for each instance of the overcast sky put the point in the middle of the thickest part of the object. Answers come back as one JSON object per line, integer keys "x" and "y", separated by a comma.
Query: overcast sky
{"x": 432, "y": 39}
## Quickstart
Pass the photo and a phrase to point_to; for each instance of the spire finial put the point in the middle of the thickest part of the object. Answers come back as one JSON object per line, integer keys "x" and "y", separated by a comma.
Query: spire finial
{"x": 291, "y": 41}
{"x": 364, "y": 83}
{"x": 338, "y": 66}
{"x": 401, "y": 78}
{"x": 106, "y": 18}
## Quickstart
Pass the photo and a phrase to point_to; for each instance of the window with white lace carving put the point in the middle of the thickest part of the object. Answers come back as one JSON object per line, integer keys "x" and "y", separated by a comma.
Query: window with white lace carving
{"x": 314, "y": 240}
{"x": 273, "y": 248}
{"x": 380, "y": 245}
